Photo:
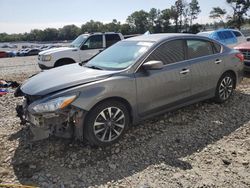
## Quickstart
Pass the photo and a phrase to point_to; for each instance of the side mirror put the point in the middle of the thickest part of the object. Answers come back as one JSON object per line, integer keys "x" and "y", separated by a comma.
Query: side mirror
{"x": 153, "y": 65}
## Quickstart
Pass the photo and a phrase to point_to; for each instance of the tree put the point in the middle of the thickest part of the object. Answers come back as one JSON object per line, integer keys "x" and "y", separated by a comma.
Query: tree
{"x": 164, "y": 20}
{"x": 139, "y": 21}
{"x": 186, "y": 16}
{"x": 240, "y": 8}
{"x": 154, "y": 19}
{"x": 180, "y": 5}
{"x": 218, "y": 13}
{"x": 50, "y": 34}
{"x": 114, "y": 26}
{"x": 125, "y": 29}
{"x": 174, "y": 16}
{"x": 92, "y": 26}
{"x": 68, "y": 32}
{"x": 194, "y": 10}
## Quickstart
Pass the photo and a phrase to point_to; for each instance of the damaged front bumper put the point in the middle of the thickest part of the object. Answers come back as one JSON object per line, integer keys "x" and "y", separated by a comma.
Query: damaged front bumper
{"x": 67, "y": 123}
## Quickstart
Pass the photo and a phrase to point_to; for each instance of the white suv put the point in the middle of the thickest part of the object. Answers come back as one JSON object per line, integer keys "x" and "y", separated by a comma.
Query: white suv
{"x": 81, "y": 49}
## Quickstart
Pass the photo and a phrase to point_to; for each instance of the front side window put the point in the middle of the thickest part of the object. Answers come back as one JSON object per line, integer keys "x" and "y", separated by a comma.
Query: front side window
{"x": 169, "y": 52}
{"x": 111, "y": 39}
{"x": 119, "y": 56}
{"x": 94, "y": 42}
{"x": 199, "y": 48}
{"x": 79, "y": 40}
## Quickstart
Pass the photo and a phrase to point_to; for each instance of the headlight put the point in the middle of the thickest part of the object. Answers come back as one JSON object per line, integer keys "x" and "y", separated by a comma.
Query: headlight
{"x": 46, "y": 57}
{"x": 54, "y": 104}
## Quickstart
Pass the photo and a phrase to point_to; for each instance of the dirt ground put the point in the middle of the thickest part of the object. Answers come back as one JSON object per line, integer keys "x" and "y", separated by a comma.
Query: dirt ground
{"x": 202, "y": 145}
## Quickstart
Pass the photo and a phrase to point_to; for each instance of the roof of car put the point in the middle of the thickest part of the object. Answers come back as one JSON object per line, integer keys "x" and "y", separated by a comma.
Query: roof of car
{"x": 157, "y": 37}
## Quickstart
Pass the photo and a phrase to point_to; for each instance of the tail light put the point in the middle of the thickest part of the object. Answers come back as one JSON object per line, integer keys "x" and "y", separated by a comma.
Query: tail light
{"x": 240, "y": 56}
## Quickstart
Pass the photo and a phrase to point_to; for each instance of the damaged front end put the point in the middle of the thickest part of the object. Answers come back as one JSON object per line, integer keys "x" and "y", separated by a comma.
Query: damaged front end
{"x": 47, "y": 116}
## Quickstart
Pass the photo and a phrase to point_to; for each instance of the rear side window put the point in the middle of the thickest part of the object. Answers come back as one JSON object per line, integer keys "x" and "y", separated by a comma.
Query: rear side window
{"x": 199, "y": 48}
{"x": 169, "y": 52}
{"x": 237, "y": 34}
{"x": 217, "y": 48}
{"x": 112, "y": 39}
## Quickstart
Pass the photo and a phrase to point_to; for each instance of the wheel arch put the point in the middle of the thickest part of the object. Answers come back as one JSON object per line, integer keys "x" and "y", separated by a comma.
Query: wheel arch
{"x": 66, "y": 59}
{"x": 119, "y": 99}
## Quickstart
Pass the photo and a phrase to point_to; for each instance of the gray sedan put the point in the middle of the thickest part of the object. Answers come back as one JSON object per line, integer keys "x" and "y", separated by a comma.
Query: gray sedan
{"x": 131, "y": 81}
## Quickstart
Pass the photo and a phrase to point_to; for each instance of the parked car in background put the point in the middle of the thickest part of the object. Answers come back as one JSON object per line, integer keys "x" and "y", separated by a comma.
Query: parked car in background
{"x": 244, "y": 48}
{"x": 8, "y": 45}
{"x": 30, "y": 52}
{"x": 229, "y": 37}
{"x": 11, "y": 53}
{"x": 133, "y": 80}
{"x": 21, "y": 52}
{"x": 43, "y": 48}
{"x": 3, "y": 54}
{"x": 82, "y": 48}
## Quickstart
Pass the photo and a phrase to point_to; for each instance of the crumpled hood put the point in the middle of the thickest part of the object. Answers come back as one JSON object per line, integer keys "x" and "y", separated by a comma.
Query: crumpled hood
{"x": 54, "y": 50}
{"x": 62, "y": 77}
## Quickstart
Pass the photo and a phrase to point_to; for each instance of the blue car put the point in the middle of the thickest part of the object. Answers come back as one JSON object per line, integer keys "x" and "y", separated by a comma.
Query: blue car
{"x": 229, "y": 37}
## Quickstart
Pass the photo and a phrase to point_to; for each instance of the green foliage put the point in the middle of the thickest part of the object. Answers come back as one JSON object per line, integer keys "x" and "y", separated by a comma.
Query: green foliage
{"x": 240, "y": 8}
{"x": 194, "y": 10}
{"x": 155, "y": 21}
{"x": 139, "y": 21}
{"x": 218, "y": 13}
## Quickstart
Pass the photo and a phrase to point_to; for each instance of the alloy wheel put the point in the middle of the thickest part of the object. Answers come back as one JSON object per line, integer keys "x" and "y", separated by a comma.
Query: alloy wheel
{"x": 226, "y": 88}
{"x": 109, "y": 124}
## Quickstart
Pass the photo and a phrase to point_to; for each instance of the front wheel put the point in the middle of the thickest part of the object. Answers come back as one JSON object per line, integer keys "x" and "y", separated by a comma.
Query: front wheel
{"x": 225, "y": 88}
{"x": 106, "y": 123}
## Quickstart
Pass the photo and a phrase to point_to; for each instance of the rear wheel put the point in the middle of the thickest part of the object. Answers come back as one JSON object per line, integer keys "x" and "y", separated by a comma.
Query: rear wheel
{"x": 225, "y": 88}
{"x": 106, "y": 123}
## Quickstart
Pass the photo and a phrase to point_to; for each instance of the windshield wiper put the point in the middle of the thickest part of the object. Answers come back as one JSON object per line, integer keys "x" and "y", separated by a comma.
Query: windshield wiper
{"x": 94, "y": 67}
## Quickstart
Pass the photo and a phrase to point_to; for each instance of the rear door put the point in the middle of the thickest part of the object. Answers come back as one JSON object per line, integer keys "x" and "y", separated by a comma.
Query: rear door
{"x": 92, "y": 46}
{"x": 206, "y": 65}
{"x": 160, "y": 89}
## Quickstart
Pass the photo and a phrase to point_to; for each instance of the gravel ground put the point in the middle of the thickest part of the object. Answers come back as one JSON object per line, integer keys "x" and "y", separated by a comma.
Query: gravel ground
{"x": 18, "y": 68}
{"x": 202, "y": 145}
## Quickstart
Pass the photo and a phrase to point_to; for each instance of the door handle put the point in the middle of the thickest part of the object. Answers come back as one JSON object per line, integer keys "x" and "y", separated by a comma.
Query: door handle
{"x": 218, "y": 61}
{"x": 185, "y": 71}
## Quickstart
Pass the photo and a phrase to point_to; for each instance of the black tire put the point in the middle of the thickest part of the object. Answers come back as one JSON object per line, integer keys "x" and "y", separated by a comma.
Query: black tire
{"x": 97, "y": 130}
{"x": 225, "y": 88}
{"x": 62, "y": 62}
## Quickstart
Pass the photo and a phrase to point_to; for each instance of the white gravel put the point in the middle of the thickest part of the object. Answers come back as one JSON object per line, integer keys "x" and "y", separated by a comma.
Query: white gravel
{"x": 202, "y": 145}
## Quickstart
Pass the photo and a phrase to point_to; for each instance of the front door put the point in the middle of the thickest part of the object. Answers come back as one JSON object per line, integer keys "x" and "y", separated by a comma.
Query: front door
{"x": 160, "y": 89}
{"x": 93, "y": 45}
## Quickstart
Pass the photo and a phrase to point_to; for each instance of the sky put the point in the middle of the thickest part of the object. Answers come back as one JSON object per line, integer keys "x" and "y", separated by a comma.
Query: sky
{"x": 19, "y": 16}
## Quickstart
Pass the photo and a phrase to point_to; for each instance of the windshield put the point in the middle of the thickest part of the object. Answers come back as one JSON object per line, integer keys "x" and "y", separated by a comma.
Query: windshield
{"x": 79, "y": 40}
{"x": 119, "y": 56}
